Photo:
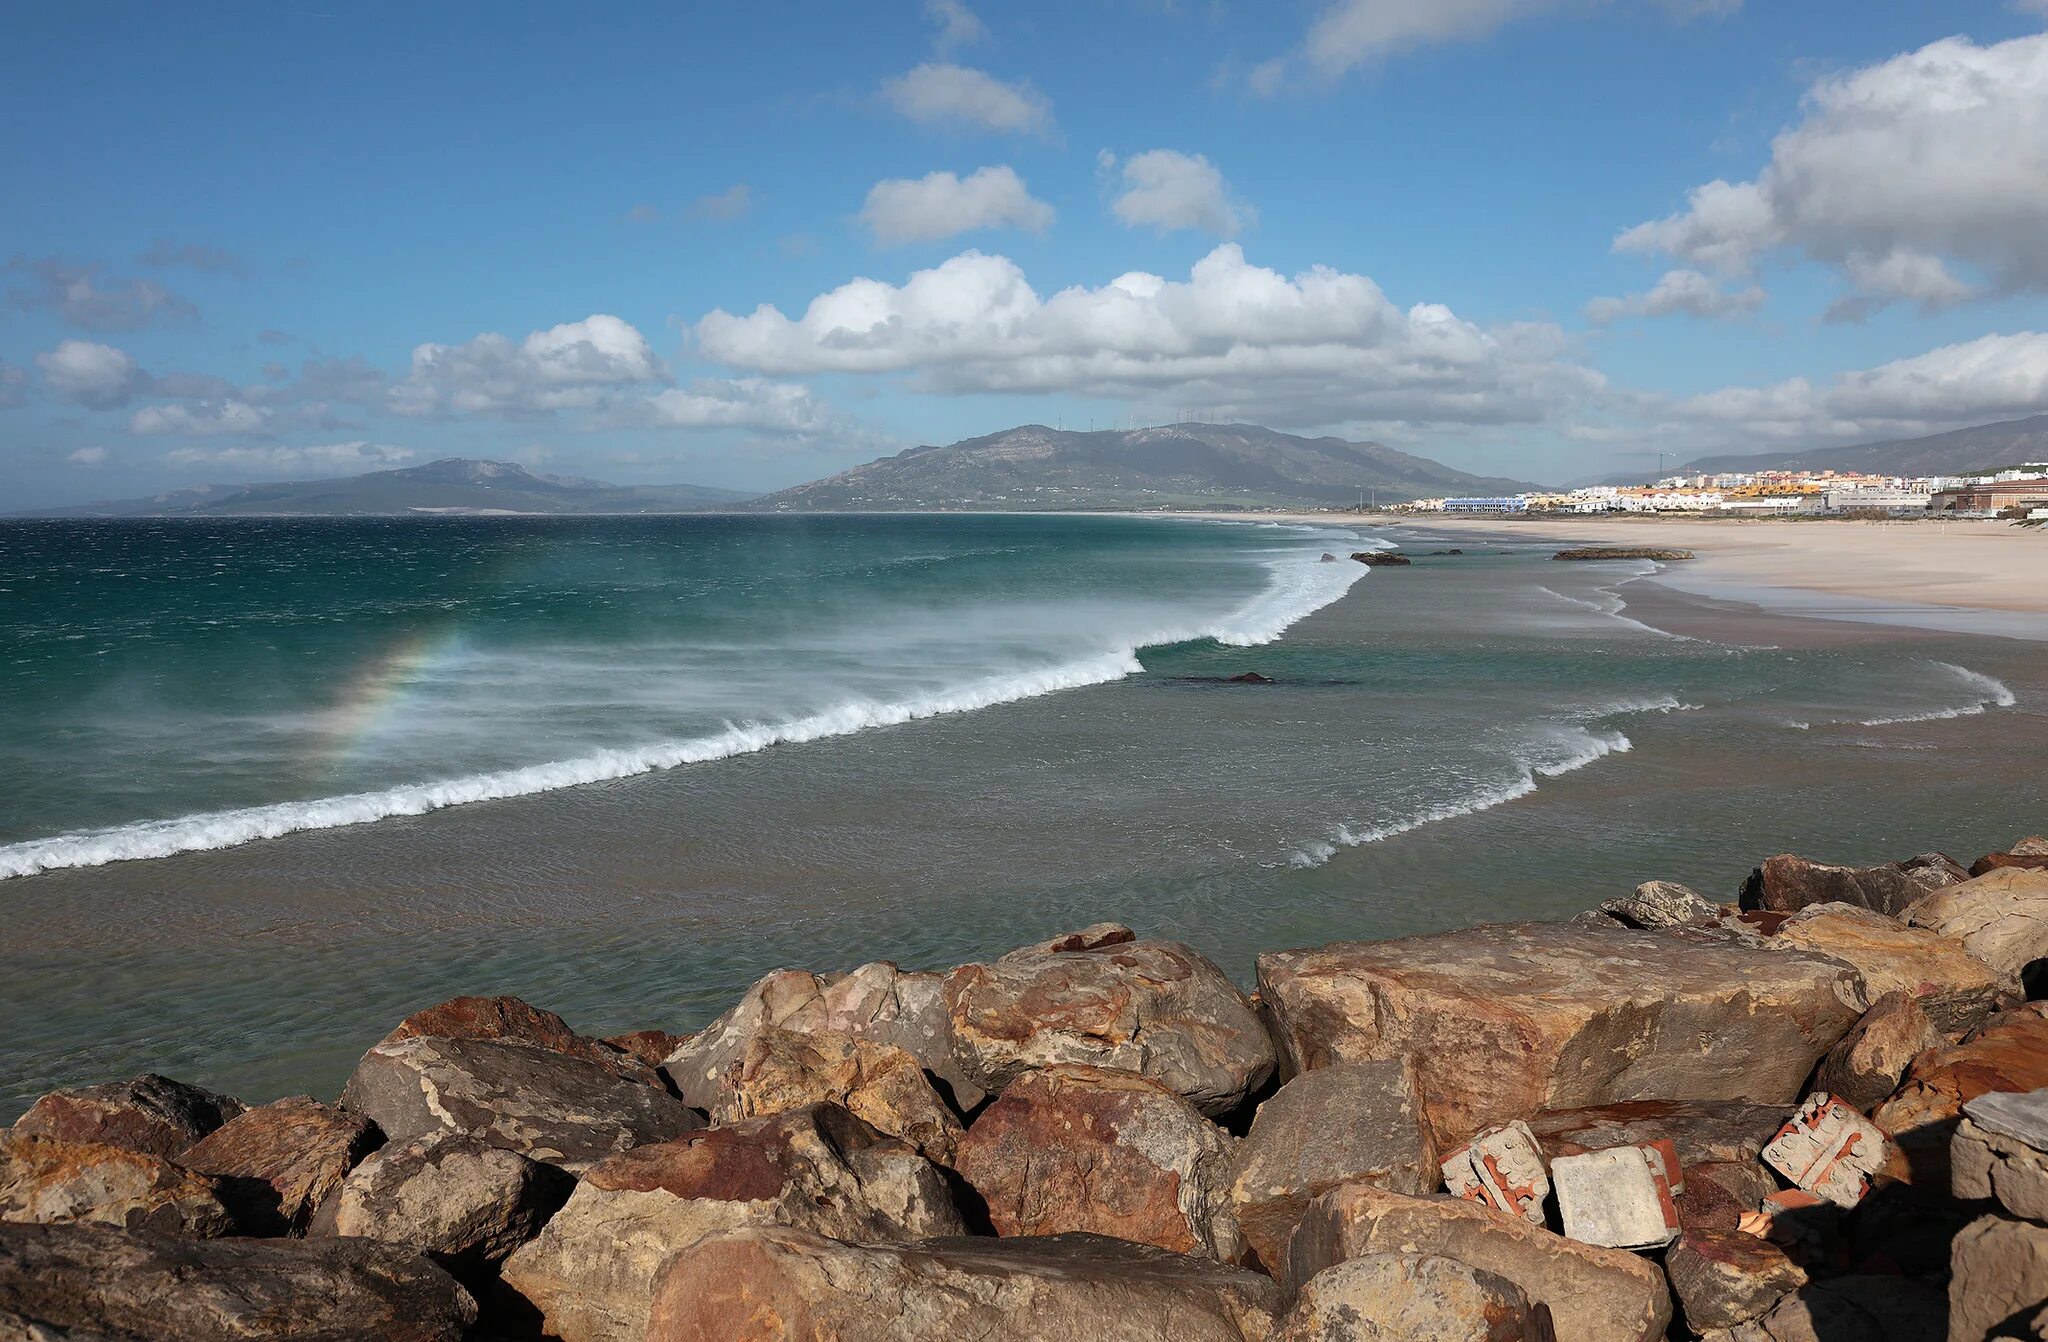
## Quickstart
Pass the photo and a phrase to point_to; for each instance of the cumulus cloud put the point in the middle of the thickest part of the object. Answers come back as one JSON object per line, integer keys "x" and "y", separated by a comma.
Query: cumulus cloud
{"x": 1896, "y": 175}
{"x": 564, "y": 367}
{"x": 742, "y": 403}
{"x": 321, "y": 456}
{"x": 75, "y": 293}
{"x": 941, "y": 205}
{"x": 958, "y": 97}
{"x": 13, "y": 385}
{"x": 1165, "y": 189}
{"x": 1679, "y": 291}
{"x": 959, "y": 26}
{"x": 731, "y": 203}
{"x": 96, "y": 376}
{"x": 88, "y": 457}
{"x": 1320, "y": 347}
{"x": 212, "y": 418}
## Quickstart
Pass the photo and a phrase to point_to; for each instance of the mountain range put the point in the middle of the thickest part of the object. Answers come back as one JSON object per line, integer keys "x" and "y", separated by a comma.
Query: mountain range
{"x": 1983, "y": 447}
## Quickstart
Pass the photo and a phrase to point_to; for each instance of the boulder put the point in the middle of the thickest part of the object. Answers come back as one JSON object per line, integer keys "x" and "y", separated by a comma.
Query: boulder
{"x": 1087, "y": 1149}
{"x": 1586, "y": 552}
{"x": 653, "y": 1047}
{"x": 1934, "y": 870}
{"x": 2000, "y": 917}
{"x": 1408, "y": 1297}
{"x": 45, "y": 1180}
{"x": 1723, "y": 1277}
{"x": 1866, "y": 1066}
{"x": 1152, "y": 1007}
{"x": 1862, "y": 1308}
{"x": 1382, "y": 558}
{"x": 2009, "y": 1052}
{"x": 517, "y": 1022}
{"x": 2001, "y": 1152}
{"x": 1505, "y": 1020}
{"x": 590, "y": 1273}
{"x": 1660, "y": 904}
{"x": 1700, "y": 1130}
{"x": 282, "y": 1160}
{"x": 1354, "y": 1122}
{"x": 1998, "y": 1276}
{"x": 151, "y": 1114}
{"x": 465, "y": 1204}
{"x": 783, "y": 1070}
{"x": 877, "y": 1002}
{"x": 1719, "y": 1192}
{"x": 790, "y": 1286}
{"x": 1596, "y": 1295}
{"x": 2029, "y": 854}
{"x": 1787, "y": 884}
{"x": 1956, "y": 989}
{"x": 558, "y": 1109}
{"x": 90, "y": 1282}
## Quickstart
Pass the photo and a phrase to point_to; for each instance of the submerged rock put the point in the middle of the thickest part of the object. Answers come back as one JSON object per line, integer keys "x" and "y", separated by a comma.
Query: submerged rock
{"x": 1661, "y": 554}
{"x": 47, "y": 1181}
{"x": 149, "y": 1113}
{"x": 283, "y": 1160}
{"x": 1382, "y": 558}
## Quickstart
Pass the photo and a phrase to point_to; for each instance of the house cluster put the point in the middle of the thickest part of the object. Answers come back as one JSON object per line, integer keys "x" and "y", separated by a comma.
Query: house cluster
{"x": 2015, "y": 492}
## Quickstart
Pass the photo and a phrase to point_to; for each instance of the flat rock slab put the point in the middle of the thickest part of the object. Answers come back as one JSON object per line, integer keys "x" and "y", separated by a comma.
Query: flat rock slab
{"x": 550, "y": 1106}
{"x": 2000, "y": 1151}
{"x": 791, "y": 1286}
{"x": 150, "y": 1113}
{"x": 1503, "y": 1021}
{"x": 46, "y": 1181}
{"x": 1407, "y": 1297}
{"x": 1957, "y": 990}
{"x": 122, "y": 1285}
{"x": 2000, "y": 917}
{"x": 289, "y": 1157}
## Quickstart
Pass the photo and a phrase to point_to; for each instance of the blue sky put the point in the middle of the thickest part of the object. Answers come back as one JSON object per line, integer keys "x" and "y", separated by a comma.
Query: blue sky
{"x": 281, "y": 241}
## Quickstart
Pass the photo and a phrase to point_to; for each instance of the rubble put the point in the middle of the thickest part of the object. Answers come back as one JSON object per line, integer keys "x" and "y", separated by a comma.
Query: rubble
{"x": 1620, "y": 1198}
{"x": 1502, "y": 1168}
{"x": 1829, "y": 1150}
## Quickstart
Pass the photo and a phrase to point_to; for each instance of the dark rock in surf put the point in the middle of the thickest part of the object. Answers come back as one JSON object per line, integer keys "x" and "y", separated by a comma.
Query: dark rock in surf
{"x": 1622, "y": 552}
{"x": 1248, "y": 678}
{"x": 1382, "y": 558}
{"x": 150, "y": 1113}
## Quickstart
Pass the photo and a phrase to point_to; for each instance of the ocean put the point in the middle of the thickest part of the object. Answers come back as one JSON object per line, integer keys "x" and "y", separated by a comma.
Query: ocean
{"x": 271, "y": 784}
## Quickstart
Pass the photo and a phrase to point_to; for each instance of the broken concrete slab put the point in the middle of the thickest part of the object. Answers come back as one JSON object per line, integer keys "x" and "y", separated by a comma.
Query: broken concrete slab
{"x": 1620, "y": 1198}
{"x": 1829, "y": 1150}
{"x": 1502, "y": 1168}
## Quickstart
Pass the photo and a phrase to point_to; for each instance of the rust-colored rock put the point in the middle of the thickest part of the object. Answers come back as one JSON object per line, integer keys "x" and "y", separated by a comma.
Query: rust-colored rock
{"x": 515, "y": 1021}
{"x": 283, "y": 1160}
{"x": 1957, "y": 990}
{"x": 1407, "y": 1297}
{"x": 2029, "y": 854}
{"x": 47, "y": 1181}
{"x": 782, "y": 1285}
{"x": 1723, "y": 1278}
{"x": 1701, "y": 1130}
{"x": 1153, "y": 1007}
{"x": 1087, "y": 1149}
{"x": 1867, "y": 1065}
{"x": 150, "y": 1113}
{"x": 882, "y": 1084}
{"x": 2000, "y": 917}
{"x": 1787, "y": 884}
{"x": 1719, "y": 1192}
{"x": 1506, "y": 1020}
{"x": 652, "y": 1047}
{"x": 2009, "y": 1052}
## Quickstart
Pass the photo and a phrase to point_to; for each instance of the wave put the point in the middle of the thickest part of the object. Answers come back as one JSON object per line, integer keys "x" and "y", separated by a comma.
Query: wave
{"x": 1296, "y": 589}
{"x": 1994, "y": 693}
{"x": 1613, "y": 607}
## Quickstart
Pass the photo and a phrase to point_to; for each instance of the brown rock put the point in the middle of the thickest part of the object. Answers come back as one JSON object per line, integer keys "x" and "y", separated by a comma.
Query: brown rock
{"x": 2030, "y": 853}
{"x": 1093, "y": 937}
{"x": 553, "y": 1107}
{"x": 2000, "y": 917}
{"x": 880, "y": 1083}
{"x": 591, "y": 1272}
{"x": 1506, "y": 1020}
{"x": 652, "y": 1047}
{"x": 1999, "y": 1274}
{"x": 1723, "y": 1277}
{"x": 1071, "y": 1148}
{"x": 152, "y": 1114}
{"x": 1585, "y": 552}
{"x": 789, "y": 1286}
{"x": 1718, "y": 1193}
{"x": 45, "y": 1180}
{"x": 90, "y": 1282}
{"x": 1595, "y": 1295}
{"x": 1787, "y": 884}
{"x": 283, "y": 1160}
{"x": 1957, "y": 990}
{"x": 1405, "y": 1297}
{"x": 1701, "y": 1130}
{"x": 1866, "y": 1066}
{"x": 2009, "y": 1052}
{"x": 1152, "y": 1007}
{"x": 1352, "y": 1123}
{"x": 514, "y": 1021}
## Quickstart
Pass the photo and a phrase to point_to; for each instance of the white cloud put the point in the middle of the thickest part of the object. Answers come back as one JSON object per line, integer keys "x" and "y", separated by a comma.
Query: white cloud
{"x": 1679, "y": 291}
{"x": 959, "y": 26}
{"x": 731, "y": 203}
{"x": 744, "y": 403}
{"x": 224, "y": 417}
{"x": 941, "y": 205}
{"x": 958, "y": 97}
{"x": 564, "y": 367}
{"x": 1319, "y": 348}
{"x": 74, "y": 293}
{"x": 98, "y": 377}
{"x": 1166, "y": 189}
{"x": 643, "y": 213}
{"x": 13, "y": 385}
{"x": 322, "y": 456}
{"x": 1898, "y": 173}
{"x": 88, "y": 457}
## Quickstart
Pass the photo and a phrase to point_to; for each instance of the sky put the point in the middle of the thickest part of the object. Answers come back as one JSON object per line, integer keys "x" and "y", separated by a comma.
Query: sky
{"x": 751, "y": 245}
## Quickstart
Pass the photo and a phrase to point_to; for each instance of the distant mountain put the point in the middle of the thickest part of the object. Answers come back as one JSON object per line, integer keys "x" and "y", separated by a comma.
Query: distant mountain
{"x": 451, "y": 485}
{"x": 1983, "y": 448}
{"x": 1185, "y": 465}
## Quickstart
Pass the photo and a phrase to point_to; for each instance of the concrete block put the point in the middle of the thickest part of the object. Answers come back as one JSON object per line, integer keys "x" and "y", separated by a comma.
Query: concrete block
{"x": 1501, "y": 1168}
{"x": 1619, "y": 1198}
{"x": 1828, "y": 1149}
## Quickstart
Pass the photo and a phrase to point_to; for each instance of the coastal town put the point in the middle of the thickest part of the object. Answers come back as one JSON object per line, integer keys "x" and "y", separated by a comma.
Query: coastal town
{"x": 2017, "y": 493}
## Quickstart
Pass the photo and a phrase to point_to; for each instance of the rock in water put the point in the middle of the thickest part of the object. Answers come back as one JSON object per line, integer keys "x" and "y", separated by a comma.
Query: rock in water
{"x": 1787, "y": 884}
{"x": 591, "y": 1272}
{"x": 127, "y": 1287}
{"x": 1957, "y": 990}
{"x": 1074, "y": 1148}
{"x": 289, "y": 1157}
{"x": 2000, "y": 917}
{"x": 883, "y": 1085}
{"x": 1382, "y": 558}
{"x": 1585, "y": 552}
{"x": 555, "y": 1108}
{"x": 790, "y": 1286}
{"x": 46, "y": 1181}
{"x": 517, "y": 1022}
{"x": 1506, "y": 1020}
{"x": 1351, "y": 1123}
{"x": 151, "y": 1114}
{"x": 1866, "y": 1066}
{"x": 1152, "y": 1007}
{"x": 1407, "y": 1297}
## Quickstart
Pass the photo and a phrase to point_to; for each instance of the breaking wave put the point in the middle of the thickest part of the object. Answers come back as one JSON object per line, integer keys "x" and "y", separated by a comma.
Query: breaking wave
{"x": 1992, "y": 693}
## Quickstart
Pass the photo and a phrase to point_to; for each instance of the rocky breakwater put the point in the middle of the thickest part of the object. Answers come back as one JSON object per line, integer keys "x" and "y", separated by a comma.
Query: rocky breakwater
{"x": 1818, "y": 1111}
{"x": 1659, "y": 553}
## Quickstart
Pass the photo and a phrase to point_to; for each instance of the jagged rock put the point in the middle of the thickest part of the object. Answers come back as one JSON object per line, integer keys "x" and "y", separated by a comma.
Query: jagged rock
{"x": 884, "y": 1085}
{"x": 45, "y": 1180}
{"x": 282, "y": 1160}
{"x": 1355, "y": 1122}
{"x": 1862, "y": 1308}
{"x": 1406, "y": 1297}
{"x": 786, "y": 1285}
{"x": 1152, "y": 1007}
{"x": 653, "y": 1047}
{"x": 2009, "y": 1052}
{"x": 1934, "y": 870}
{"x": 2000, "y": 917}
{"x": 1660, "y": 904}
{"x": 150, "y": 1113}
{"x": 2001, "y": 1151}
{"x": 1787, "y": 884}
{"x": 93, "y": 1282}
{"x": 1701, "y": 1130}
{"x": 1724, "y": 1278}
{"x": 1998, "y": 1275}
{"x": 559, "y": 1109}
{"x": 1093, "y": 937}
{"x": 1585, "y": 552}
{"x": 1505, "y": 1020}
{"x": 1596, "y": 1295}
{"x": 450, "y": 1196}
{"x": 1382, "y": 558}
{"x": 590, "y": 1273}
{"x": 1956, "y": 989}
{"x": 514, "y": 1021}
{"x": 2030, "y": 853}
{"x": 1718, "y": 1193}
{"x": 1866, "y": 1066}
{"x": 877, "y": 1002}
{"x": 1071, "y": 1148}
